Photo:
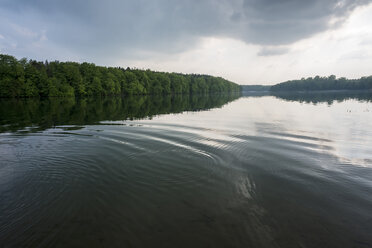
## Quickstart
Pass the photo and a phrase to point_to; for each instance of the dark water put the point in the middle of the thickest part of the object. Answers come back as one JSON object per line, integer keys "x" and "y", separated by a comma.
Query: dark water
{"x": 202, "y": 171}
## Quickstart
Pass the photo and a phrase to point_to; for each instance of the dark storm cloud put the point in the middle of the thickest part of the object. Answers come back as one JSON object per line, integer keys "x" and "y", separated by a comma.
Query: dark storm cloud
{"x": 104, "y": 28}
{"x": 274, "y": 22}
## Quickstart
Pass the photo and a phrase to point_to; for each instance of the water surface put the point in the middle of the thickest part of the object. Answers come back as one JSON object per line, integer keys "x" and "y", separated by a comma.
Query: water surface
{"x": 215, "y": 171}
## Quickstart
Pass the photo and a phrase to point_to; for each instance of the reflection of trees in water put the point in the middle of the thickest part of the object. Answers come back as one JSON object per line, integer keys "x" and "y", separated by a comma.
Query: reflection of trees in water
{"x": 16, "y": 114}
{"x": 315, "y": 96}
{"x": 324, "y": 97}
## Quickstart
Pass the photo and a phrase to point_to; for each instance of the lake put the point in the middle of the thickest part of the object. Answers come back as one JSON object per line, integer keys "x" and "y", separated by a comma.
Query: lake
{"x": 187, "y": 171}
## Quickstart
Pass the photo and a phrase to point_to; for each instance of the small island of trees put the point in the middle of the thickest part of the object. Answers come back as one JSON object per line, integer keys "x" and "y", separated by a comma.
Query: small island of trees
{"x": 324, "y": 83}
{"x": 30, "y": 78}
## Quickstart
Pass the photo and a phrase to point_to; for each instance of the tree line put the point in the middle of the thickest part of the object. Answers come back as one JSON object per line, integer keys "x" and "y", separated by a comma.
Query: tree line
{"x": 30, "y": 78}
{"x": 324, "y": 83}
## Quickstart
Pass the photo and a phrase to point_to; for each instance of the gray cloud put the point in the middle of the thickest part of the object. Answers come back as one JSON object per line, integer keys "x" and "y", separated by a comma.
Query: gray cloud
{"x": 98, "y": 29}
{"x": 272, "y": 51}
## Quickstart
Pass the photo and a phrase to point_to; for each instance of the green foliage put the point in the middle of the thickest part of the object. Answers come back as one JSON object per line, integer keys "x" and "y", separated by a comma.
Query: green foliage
{"x": 11, "y": 76}
{"x": 23, "y": 78}
{"x": 324, "y": 83}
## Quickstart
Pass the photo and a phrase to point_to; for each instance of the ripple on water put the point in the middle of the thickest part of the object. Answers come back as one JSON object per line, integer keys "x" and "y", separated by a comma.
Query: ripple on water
{"x": 142, "y": 184}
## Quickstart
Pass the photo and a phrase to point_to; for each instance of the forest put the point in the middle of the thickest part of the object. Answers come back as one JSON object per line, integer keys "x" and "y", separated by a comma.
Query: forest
{"x": 30, "y": 78}
{"x": 324, "y": 83}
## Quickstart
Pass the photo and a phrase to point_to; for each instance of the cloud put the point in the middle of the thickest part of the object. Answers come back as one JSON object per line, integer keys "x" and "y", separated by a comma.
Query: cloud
{"x": 101, "y": 30}
{"x": 272, "y": 51}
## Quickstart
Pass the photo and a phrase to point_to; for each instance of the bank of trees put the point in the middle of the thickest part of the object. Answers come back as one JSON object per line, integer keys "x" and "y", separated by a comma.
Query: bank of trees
{"x": 30, "y": 78}
{"x": 324, "y": 83}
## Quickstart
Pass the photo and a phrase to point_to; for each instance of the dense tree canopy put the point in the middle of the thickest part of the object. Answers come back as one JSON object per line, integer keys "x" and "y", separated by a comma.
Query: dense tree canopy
{"x": 324, "y": 83}
{"x": 30, "y": 78}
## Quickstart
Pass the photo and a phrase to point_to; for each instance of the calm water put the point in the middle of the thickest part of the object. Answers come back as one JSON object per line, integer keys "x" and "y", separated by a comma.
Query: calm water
{"x": 216, "y": 171}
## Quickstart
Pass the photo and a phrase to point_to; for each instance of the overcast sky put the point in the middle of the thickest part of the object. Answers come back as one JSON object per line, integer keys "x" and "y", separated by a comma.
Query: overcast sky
{"x": 245, "y": 41}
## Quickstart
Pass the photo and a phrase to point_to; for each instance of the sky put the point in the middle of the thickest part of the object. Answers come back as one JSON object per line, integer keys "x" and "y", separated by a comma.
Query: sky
{"x": 245, "y": 41}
